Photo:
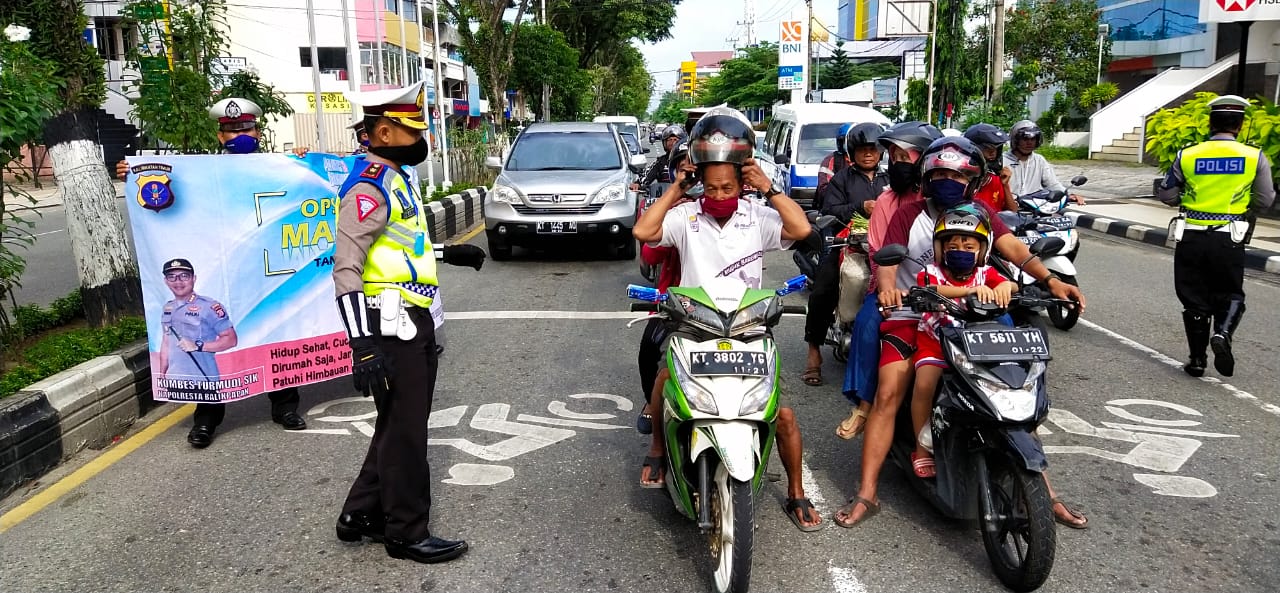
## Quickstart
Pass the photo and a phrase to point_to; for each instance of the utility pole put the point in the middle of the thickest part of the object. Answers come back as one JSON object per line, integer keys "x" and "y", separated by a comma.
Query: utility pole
{"x": 404, "y": 47}
{"x": 323, "y": 146}
{"x": 442, "y": 128}
{"x": 997, "y": 52}
{"x": 808, "y": 48}
{"x": 382, "y": 32}
{"x": 933, "y": 50}
{"x": 546, "y": 88}
{"x": 749, "y": 22}
{"x": 422, "y": 75}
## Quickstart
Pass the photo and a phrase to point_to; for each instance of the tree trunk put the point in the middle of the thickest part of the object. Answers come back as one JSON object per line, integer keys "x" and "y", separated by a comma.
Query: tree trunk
{"x": 108, "y": 271}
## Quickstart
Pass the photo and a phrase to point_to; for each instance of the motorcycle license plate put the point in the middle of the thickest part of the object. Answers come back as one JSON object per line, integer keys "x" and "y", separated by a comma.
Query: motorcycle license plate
{"x": 1061, "y": 223}
{"x": 728, "y": 362}
{"x": 557, "y": 228}
{"x": 1004, "y": 344}
{"x": 1029, "y": 240}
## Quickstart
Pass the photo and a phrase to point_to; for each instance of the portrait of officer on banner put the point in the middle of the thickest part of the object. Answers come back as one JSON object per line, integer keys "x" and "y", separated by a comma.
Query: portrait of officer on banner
{"x": 195, "y": 328}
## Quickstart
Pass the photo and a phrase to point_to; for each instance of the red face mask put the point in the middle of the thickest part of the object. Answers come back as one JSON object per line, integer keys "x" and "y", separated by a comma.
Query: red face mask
{"x": 720, "y": 208}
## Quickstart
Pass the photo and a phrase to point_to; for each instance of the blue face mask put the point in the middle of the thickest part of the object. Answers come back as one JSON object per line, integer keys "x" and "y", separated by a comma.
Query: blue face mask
{"x": 242, "y": 144}
{"x": 960, "y": 262}
{"x": 947, "y": 192}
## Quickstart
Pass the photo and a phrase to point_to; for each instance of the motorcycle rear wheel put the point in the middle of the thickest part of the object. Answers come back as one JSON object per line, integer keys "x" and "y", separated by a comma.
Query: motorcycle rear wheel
{"x": 1017, "y": 526}
{"x": 734, "y": 508}
{"x": 1062, "y": 316}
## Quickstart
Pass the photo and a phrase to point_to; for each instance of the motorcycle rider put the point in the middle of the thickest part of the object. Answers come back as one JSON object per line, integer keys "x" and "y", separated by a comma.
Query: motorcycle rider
{"x": 904, "y": 143}
{"x": 1030, "y": 171}
{"x": 994, "y": 193}
{"x": 831, "y": 164}
{"x": 1219, "y": 185}
{"x": 852, "y": 191}
{"x": 722, "y": 235}
{"x": 912, "y": 226}
{"x": 671, "y": 135}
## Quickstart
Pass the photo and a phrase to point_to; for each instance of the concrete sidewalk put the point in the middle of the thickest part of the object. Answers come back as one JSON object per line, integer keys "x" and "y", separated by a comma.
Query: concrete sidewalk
{"x": 1119, "y": 203}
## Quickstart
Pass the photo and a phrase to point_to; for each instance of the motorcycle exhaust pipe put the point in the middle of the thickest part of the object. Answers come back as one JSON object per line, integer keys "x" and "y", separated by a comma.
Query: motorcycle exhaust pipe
{"x": 704, "y": 492}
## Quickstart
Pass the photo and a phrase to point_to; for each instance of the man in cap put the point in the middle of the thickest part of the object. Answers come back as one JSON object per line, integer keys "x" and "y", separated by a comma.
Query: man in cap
{"x": 362, "y": 136}
{"x": 196, "y": 325}
{"x": 1219, "y": 185}
{"x": 384, "y": 273}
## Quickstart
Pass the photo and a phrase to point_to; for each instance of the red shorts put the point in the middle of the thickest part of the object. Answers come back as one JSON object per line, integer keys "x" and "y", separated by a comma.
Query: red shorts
{"x": 928, "y": 351}
{"x": 901, "y": 339}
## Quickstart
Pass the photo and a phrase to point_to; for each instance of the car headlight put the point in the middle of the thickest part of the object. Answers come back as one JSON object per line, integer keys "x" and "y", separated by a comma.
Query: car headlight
{"x": 699, "y": 399}
{"x": 610, "y": 193}
{"x": 505, "y": 194}
{"x": 758, "y": 397}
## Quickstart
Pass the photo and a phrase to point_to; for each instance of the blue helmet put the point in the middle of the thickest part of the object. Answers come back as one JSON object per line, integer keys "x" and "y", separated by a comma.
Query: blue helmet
{"x": 844, "y": 129}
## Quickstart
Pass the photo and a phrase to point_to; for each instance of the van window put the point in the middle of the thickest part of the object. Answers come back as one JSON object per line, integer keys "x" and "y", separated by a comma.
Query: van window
{"x": 771, "y": 138}
{"x": 816, "y": 142}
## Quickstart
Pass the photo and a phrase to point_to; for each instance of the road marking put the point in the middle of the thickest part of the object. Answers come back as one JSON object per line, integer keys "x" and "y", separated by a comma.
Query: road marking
{"x": 1158, "y": 356}
{"x": 470, "y": 235}
{"x": 60, "y": 488}
{"x": 844, "y": 580}
{"x": 49, "y": 233}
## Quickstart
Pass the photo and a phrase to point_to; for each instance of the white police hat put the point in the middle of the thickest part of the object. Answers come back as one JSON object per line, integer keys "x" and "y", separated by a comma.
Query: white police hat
{"x": 235, "y": 113}
{"x": 402, "y": 105}
{"x": 1229, "y": 103}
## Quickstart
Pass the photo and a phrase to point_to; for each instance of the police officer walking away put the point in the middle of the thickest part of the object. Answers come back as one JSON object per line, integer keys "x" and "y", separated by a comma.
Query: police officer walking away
{"x": 384, "y": 273}
{"x": 1219, "y": 185}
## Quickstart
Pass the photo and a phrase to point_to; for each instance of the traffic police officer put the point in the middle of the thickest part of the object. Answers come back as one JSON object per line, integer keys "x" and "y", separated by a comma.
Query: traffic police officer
{"x": 194, "y": 326}
{"x": 362, "y": 136}
{"x": 384, "y": 273}
{"x": 1219, "y": 185}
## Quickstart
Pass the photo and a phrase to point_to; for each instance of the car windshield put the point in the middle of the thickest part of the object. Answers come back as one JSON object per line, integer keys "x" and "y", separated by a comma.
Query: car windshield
{"x": 816, "y": 142}
{"x": 632, "y": 144}
{"x": 565, "y": 151}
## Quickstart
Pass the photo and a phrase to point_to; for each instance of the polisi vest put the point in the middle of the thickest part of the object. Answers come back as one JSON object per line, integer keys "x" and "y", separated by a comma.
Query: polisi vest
{"x": 401, "y": 257}
{"x": 1219, "y": 176}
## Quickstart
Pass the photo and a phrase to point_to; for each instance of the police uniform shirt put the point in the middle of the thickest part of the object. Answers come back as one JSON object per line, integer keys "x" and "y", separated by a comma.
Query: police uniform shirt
{"x": 360, "y": 223}
{"x": 1261, "y": 195}
{"x": 735, "y": 250}
{"x": 196, "y": 318}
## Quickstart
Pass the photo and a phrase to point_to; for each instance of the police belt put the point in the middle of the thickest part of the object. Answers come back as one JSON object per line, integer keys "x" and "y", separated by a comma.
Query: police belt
{"x": 1196, "y": 214}
{"x": 426, "y": 290}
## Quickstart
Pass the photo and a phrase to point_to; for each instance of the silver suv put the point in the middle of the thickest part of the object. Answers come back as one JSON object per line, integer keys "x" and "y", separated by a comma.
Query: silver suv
{"x": 563, "y": 181}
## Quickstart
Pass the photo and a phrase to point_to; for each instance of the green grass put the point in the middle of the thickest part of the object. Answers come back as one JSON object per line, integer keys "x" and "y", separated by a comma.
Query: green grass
{"x": 1060, "y": 153}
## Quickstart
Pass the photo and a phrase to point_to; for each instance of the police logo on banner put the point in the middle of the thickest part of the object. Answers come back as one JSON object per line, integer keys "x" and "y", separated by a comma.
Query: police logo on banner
{"x": 154, "y": 189}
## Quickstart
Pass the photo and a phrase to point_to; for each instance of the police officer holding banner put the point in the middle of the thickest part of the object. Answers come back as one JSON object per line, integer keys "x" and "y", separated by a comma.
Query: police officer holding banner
{"x": 384, "y": 274}
{"x": 1219, "y": 185}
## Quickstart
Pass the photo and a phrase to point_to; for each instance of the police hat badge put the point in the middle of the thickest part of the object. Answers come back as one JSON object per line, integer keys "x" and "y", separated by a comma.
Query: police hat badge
{"x": 154, "y": 192}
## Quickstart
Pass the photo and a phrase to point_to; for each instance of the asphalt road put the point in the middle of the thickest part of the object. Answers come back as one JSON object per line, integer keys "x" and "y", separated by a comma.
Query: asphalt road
{"x": 535, "y": 463}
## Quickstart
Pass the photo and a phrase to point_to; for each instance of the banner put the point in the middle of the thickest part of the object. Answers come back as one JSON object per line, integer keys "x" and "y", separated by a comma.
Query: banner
{"x": 792, "y": 52}
{"x": 235, "y": 253}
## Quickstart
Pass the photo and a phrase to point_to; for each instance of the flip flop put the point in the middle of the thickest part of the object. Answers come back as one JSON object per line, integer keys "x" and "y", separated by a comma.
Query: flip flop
{"x": 924, "y": 467}
{"x": 872, "y": 510}
{"x": 656, "y": 466}
{"x": 1074, "y": 513}
{"x": 847, "y": 429}
{"x": 644, "y": 424}
{"x": 812, "y": 376}
{"x": 805, "y": 505}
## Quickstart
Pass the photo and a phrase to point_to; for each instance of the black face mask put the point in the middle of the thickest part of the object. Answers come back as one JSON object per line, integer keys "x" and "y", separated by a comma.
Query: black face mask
{"x": 411, "y": 155}
{"x": 902, "y": 176}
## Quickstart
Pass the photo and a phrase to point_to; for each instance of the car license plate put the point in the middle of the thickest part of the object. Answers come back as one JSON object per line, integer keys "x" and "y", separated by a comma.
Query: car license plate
{"x": 728, "y": 362}
{"x": 1004, "y": 344}
{"x": 557, "y": 228}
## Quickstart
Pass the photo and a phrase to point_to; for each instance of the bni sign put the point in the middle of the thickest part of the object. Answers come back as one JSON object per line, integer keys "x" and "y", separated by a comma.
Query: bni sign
{"x": 792, "y": 59}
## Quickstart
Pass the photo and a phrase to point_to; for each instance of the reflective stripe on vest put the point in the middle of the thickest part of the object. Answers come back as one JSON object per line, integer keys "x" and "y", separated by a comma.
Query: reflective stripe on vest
{"x": 1219, "y": 176}
{"x": 401, "y": 257}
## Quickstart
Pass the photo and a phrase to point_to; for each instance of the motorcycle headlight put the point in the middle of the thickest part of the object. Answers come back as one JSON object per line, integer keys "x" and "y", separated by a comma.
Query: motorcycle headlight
{"x": 699, "y": 399}
{"x": 505, "y": 194}
{"x": 1049, "y": 207}
{"x": 758, "y": 397}
{"x": 750, "y": 317}
{"x": 707, "y": 319}
{"x": 610, "y": 193}
{"x": 1016, "y": 405}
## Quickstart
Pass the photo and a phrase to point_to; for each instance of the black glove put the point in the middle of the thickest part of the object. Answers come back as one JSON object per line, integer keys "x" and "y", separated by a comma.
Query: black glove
{"x": 371, "y": 369}
{"x": 464, "y": 255}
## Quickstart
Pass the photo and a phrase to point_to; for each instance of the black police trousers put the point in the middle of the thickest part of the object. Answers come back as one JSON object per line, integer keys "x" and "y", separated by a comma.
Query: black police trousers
{"x": 824, "y": 295}
{"x": 395, "y": 479}
{"x": 285, "y": 400}
{"x": 1208, "y": 271}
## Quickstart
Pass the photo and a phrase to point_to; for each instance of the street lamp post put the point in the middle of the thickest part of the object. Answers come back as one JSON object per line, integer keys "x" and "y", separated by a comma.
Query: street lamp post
{"x": 1103, "y": 29}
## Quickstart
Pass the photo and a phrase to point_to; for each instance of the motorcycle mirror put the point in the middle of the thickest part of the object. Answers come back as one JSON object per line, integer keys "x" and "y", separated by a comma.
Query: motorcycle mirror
{"x": 792, "y": 285}
{"x": 892, "y": 255}
{"x": 781, "y": 159}
{"x": 826, "y": 222}
{"x": 812, "y": 215}
{"x": 1055, "y": 195}
{"x": 1047, "y": 246}
{"x": 1079, "y": 180}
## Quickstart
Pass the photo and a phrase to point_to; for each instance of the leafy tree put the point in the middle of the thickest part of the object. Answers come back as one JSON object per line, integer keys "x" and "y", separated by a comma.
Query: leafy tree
{"x": 542, "y": 55}
{"x": 1061, "y": 36}
{"x": 669, "y": 108}
{"x": 837, "y": 73}
{"x": 108, "y": 272}
{"x": 599, "y": 29}
{"x": 917, "y": 94}
{"x": 621, "y": 88}
{"x": 490, "y": 45}
{"x": 959, "y": 72}
{"x": 748, "y": 80}
{"x": 248, "y": 85}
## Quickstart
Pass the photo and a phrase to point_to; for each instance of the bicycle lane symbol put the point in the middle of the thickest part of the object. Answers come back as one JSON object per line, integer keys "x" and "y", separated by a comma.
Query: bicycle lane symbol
{"x": 527, "y": 433}
{"x": 1158, "y": 445}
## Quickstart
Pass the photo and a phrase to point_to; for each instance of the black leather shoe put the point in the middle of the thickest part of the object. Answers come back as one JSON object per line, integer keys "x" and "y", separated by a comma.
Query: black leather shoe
{"x": 201, "y": 436}
{"x": 1195, "y": 366}
{"x": 290, "y": 421}
{"x": 428, "y": 551}
{"x": 352, "y": 527}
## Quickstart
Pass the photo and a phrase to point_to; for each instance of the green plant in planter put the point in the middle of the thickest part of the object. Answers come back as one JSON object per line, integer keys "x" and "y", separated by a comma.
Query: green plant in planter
{"x": 1171, "y": 130}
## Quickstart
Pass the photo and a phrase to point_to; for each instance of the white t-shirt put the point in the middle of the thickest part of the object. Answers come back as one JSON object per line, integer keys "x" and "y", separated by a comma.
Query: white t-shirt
{"x": 736, "y": 250}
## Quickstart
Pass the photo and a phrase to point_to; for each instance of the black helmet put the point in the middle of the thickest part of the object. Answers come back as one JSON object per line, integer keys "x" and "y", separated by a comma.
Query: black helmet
{"x": 1026, "y": 129}
{"x": 671, "y": 131}
{"x": 840, "y": 136}
{"x": 863, "y": 134}
{"x": 910, "y": 136}
{"x": 721, "y": 138}
{"x": 958, "y": 154}
{"x": 986, "y": 135}
{"x": 677, "y": 154}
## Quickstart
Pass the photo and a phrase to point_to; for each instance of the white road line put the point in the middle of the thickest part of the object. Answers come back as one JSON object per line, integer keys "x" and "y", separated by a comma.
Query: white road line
{"x": 811, "y": 489}
{"x": 48, "y": 233}
{"x": 844, "y": 580}
{"x": 1160, "y": 357}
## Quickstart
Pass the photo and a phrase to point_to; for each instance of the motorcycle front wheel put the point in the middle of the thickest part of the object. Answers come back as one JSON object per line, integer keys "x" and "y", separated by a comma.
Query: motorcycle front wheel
{"x": 733, "y": 512}
{"x": 1062, "y": 316}
{"x": 1017, "y": 524}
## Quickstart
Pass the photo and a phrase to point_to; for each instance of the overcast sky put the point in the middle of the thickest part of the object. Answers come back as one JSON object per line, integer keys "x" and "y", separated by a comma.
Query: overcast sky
{"x": 707, "y": 25}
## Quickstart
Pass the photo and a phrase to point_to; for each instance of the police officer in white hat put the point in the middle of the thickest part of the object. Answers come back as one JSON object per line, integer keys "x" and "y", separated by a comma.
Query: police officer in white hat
{"x": 384, "y": 273}
{"x": 1219, "y": 185}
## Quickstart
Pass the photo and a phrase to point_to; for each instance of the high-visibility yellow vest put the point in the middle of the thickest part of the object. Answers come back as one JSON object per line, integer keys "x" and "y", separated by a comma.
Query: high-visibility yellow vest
{"x": 401, "y": 257}
{"x": 1219, "y": 176}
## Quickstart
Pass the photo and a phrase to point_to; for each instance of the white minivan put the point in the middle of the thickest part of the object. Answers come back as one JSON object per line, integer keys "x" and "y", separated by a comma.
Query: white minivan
{"x": 625, "y": 124}
{"x": 802, "y": 134}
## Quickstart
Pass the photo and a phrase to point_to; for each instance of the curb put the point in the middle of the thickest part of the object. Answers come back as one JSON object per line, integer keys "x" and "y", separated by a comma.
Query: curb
{"x": 1256, "y": 259}
{"x": 455, "y": 213}
{"x": 85, "y": 406}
